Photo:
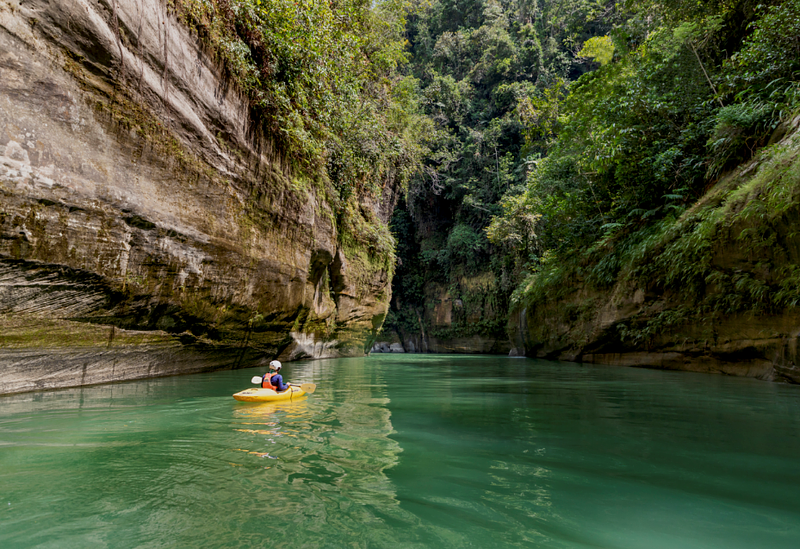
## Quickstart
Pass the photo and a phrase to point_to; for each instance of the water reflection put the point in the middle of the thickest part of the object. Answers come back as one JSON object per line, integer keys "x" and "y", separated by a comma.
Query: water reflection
{"x": 265, "y": 419}
{"x": 415, "y": 451}
{"x": 268, "y": 413}
{"x": 178, "y": 462}
{"x": 329, "y": 455}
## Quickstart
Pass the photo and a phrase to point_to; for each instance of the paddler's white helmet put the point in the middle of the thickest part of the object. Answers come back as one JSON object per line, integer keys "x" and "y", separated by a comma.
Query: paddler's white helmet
{"x": 275, "y": 365}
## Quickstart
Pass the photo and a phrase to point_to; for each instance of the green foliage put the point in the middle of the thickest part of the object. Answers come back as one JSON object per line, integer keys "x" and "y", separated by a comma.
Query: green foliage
{"x": 362, "y": 234}
{"x": 409, "y": 281}
{"x": 740, "y": 129}
{"x": 725, "y": 256}
{"x": 326, "y": 84}
{"x": 690, "y": 91}
{"x": 464, "y": 244}
{"x": 323, "y": 78}
{"x": 599, "y": 48}
{"x": 516, "y": 227}
{"x": 491, "y": 76}
{"x": 767, "y": 65}
{"x": 583, "y": 173}
{"x": 635, "y": 136}
{"x": 760, "y": 82}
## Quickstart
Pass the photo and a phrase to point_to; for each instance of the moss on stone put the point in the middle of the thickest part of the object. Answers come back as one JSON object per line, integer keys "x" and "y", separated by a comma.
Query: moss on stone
{"x": 28, "y": 331}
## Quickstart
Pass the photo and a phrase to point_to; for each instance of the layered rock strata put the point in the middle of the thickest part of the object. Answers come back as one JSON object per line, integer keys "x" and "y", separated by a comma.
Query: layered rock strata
{"x": 147, "y": 225}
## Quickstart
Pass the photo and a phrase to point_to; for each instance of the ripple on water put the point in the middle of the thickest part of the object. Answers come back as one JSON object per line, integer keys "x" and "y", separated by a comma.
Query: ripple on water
{"x": 407, "y": 451}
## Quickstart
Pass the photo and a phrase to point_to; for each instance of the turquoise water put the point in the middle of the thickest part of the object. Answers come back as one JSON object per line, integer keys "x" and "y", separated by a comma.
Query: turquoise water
{"x": 407, "y": 451}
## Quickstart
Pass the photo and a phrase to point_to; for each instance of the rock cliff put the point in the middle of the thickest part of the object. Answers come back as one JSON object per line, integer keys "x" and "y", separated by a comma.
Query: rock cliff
{"x": 715, "y": 291}
{"x": 148, "y": 226}
{"x": 462, "y": 318}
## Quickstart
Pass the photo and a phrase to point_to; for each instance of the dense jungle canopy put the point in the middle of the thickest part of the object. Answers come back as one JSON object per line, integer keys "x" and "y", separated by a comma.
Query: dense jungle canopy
{"x": 541, "y": 144}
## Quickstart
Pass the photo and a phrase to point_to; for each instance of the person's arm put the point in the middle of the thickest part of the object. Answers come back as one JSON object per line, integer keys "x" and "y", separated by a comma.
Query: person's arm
{"x": 281, "y": 386}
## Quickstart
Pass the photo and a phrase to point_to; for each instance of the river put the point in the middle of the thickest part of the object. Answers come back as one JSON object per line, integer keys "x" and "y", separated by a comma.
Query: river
{"x": 395, "y": 451}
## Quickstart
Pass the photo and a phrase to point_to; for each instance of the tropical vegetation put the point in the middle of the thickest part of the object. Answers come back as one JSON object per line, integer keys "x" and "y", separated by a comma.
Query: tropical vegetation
{"x": 542, "y": 145}
{"x": 573, "y": 136}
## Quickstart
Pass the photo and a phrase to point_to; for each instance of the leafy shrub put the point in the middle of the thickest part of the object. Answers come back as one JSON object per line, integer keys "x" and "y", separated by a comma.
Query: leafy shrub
{"x": 768, "y": 65}
{"x": 464, "y": 244}
{"x": 740, "y": 128}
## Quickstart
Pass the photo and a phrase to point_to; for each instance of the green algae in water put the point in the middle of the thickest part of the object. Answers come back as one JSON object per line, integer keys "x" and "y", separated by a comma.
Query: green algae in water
{"x": 407, "y": 451}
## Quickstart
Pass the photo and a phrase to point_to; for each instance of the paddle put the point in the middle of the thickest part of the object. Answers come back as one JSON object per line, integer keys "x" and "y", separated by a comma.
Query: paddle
{"x": 306, "y": 387}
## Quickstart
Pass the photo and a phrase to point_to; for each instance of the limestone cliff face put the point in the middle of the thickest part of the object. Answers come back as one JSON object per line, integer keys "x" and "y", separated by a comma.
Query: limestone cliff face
{"x": 147, "y": 225}
{"x": 739, "y": 247}
{"x": 462, "y": 319}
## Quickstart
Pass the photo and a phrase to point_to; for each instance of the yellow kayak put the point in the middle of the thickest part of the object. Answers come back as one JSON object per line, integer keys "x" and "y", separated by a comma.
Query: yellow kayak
{"x": 258, "y": 394}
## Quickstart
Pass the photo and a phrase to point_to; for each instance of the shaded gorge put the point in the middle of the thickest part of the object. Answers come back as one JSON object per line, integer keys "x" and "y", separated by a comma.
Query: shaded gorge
{"x": 407, "y": 451}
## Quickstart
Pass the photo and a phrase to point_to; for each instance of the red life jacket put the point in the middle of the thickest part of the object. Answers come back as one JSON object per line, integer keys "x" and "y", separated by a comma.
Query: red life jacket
{"x": 267, "y": 383}
{"x": 274, "y": 385}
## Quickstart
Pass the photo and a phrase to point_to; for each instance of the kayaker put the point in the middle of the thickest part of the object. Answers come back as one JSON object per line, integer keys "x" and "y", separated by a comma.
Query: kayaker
{"x": 274, "y": 380}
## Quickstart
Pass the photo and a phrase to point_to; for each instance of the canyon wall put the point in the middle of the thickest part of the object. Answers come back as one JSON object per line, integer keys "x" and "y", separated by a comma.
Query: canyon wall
{"x": 463, "y": 318}
{"x": 729, "y": 307}
{"x": 148, "y": 226}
